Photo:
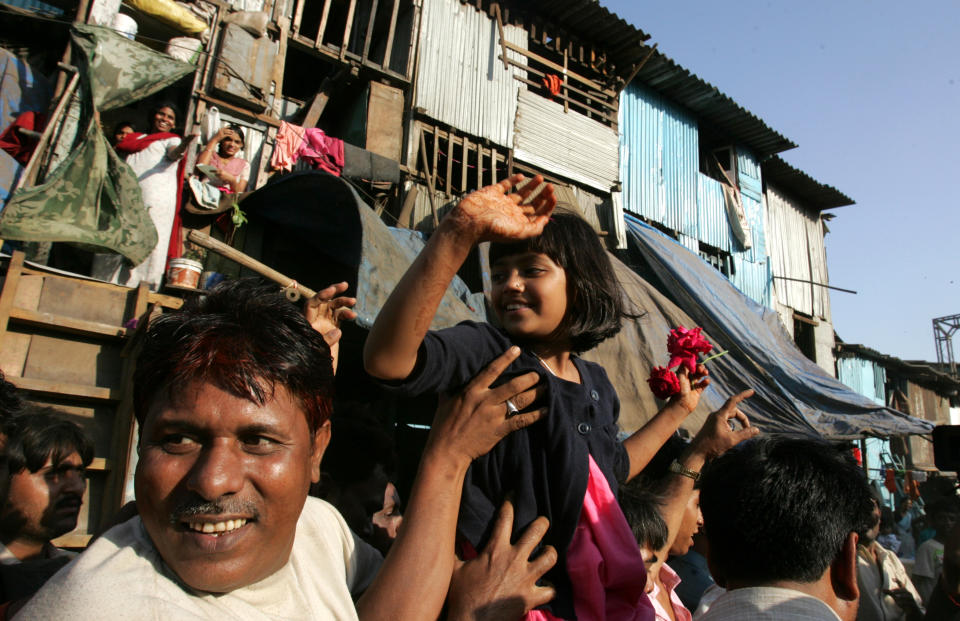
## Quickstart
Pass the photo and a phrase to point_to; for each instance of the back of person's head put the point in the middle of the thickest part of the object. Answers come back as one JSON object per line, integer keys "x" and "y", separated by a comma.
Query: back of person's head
{"x": 243, "y": 337}
{"x": 595, "y": 303}
{"x": 781, "y": 509}
{"x": 656, "y": 475}
{"x": 642, "y": 509}
{"x": 40, "y": 434}
{"x": 10, "y": 401}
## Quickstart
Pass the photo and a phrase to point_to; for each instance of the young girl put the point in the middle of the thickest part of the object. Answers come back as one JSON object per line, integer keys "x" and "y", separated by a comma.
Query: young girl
{"x": 555, "y": 295}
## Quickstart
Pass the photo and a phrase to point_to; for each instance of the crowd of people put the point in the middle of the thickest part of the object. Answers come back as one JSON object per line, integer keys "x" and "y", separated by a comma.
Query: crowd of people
{"x": 527, "y": 504}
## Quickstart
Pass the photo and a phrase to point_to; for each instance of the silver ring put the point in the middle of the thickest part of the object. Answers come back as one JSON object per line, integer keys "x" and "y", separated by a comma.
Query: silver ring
{"x": 511, "y": 408}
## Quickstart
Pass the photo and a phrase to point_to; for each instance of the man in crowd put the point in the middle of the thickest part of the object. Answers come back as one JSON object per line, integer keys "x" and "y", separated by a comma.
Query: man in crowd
{"x": 233, "y": 398}
{"x": 886, "y": 592}
{"x": 943, "y": 515}
{"x": 47, "y": 458}
{"x": 781, "y": 517}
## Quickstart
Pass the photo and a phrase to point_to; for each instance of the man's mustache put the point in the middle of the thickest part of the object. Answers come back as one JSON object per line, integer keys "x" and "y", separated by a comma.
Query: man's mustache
{"x": 198, "y": 506}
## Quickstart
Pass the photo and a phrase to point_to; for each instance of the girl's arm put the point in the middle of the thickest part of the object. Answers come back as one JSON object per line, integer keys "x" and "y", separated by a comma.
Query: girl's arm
{"x": 714, "y": 439}
{"x": 207, "y": 154}
{"x": 646, "y": 441}
{"x": 488, "y": 214}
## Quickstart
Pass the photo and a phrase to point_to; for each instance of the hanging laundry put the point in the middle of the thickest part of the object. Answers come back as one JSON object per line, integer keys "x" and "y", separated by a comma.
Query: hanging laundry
{"x": 287, "y": 145}
{"x": 890, "y": 481}
{"x": 552, "y": 83}
{"x": 322, "y": 151}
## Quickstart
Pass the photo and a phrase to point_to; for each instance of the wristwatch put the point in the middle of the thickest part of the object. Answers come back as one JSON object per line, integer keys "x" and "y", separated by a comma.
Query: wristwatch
{"x": 677, "y": 468}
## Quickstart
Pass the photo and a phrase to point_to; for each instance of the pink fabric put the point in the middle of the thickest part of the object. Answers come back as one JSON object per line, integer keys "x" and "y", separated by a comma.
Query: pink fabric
{"x": 322, "y": 151}
{"x": 670, "y": 580}
{"x": 287, "y": 144}
{"x": 603, "y": 561}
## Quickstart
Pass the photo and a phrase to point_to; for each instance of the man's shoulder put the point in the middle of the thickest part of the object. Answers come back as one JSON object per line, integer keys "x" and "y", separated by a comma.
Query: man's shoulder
{"x": 122, "y": 561}
{"x": 763, "y": 603}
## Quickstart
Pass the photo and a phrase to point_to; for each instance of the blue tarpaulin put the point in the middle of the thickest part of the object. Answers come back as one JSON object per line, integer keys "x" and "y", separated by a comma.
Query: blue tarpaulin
{"x": 793, "y": 394}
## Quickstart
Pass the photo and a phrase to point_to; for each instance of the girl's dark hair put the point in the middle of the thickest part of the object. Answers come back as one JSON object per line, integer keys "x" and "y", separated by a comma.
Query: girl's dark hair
{"x": 595, "y": 304}
{"x": 239, "y": 132}
{"x": 122, "y": 124}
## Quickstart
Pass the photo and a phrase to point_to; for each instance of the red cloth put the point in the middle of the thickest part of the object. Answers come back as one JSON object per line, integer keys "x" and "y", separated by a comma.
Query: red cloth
{"x": 552, "y": 83}
{"x": 322, "y": 151}
{"x": 604, "y": 562}
{"x": 134, "y": 142}
{"x": 19, "y": 146}
{"x": 890, "y": 481}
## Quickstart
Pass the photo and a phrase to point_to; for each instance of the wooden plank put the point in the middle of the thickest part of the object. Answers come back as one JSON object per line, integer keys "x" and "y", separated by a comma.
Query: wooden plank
{"x": 100, "y": 464}
{"x": 503, "y": 40}
{"x": 297, "y": 17}
{"x": 449, "y": 178}
{"x": 385, "y": 121}
{"x": 347, "y": 28}
{"x": 278, "y": 64}
{"x": 323, "y": 23}
{"x": 463, "y": 169}
{"x": 479, "y": 165}
{"x": 390, "y": 34}
{"x": 549, "y": 63}
{"x": 579, "y": 104}
{"x": 317, "y": 105}
{"x": 73, "y": 540}
{"x": 536, "y": 72}
{"x": 66, "y": 324}
{"x": 63, "y": 389}
{"x": 429, "y": 175}
{"x": 370, "y": 25}
{"x": 9, "y": 292}
{"x": 241, "y": 111}
{"x": 566, "y": 83}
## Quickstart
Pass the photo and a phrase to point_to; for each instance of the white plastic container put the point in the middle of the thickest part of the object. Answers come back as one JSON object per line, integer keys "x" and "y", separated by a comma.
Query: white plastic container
{"x": 125, "y": 25}
{"x": 184, "y": 273}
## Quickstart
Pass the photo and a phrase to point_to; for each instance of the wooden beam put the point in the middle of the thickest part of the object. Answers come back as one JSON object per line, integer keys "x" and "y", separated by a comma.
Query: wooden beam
{"x": 390, "y": 34}
{"x": 278, "y": 65}
{"x": 66, "y": 324}
{"x": 572, "y": 88}
{"x": 643, "y": 61}
{"x": 426, "y": 170}
{"x": 9, "y": 292}
{"x": 297, "y": 17}
{"x": 463, "y": 169}
{"x": 447, "y": 187}
{"x": 503, "y": 46}
{"x": 246, "y": 113}
{"x": 323, "y": 23}
{"x": 409, "y": 201}
{"x": 370, "y": 25}
{"x": 347, "y": 28}
{"x": 579, "y": 104}
{"x": 544, "y": 61}
{"x": 566, "y": 83}
{"x": 64, "y": 389}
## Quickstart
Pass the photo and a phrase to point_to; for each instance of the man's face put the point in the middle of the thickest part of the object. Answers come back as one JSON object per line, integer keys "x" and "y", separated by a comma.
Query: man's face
{"x": 692, "y": 521}
{"x": 44, "y": 505}
{"x": 221, "y": 483}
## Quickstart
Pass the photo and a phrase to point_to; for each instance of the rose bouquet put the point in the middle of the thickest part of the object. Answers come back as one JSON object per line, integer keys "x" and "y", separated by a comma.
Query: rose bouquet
{"x": 685, "y": 347}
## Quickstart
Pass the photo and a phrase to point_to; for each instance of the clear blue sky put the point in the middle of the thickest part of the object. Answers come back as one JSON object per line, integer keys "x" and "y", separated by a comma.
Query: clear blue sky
{"x": 870, "y": 91}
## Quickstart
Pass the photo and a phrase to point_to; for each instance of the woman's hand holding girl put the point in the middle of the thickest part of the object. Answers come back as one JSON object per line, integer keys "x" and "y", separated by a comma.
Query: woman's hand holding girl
{"x": 493, "y": 213}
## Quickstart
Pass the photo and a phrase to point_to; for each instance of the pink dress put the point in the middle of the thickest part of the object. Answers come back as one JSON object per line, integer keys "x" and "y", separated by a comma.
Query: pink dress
{"x": 603, "y": 561}
{"x": 236, "y": 166}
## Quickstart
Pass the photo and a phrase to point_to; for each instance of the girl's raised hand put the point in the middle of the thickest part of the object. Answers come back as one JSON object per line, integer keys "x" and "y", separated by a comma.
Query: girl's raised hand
{"x": 326, "y": 310}
{"x": 493, "y": 213}
{"x": 691, "y": 387}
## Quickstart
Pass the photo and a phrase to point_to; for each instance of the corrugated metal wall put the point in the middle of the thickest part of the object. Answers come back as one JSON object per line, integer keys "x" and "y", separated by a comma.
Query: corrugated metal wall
{"x": 565, "y": 143}
{"x": 753, "y": 279}
{"x": 712, "y": 219}
{"x": 659, "y": 164}
{"x": 461, "y": 80}
{"x": 748, "y": 174}
{"x": 864, "y": 376}
{"x": 797, "y": 250}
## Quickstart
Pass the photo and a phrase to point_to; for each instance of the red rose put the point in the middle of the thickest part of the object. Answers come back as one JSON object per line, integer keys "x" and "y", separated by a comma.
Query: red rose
{"x": 663, "y": 382}
{"x": 684, "y": 346}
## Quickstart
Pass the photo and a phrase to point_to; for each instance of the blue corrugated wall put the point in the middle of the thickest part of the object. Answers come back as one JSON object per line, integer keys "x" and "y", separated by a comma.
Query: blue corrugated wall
{"x": 659, "y": 169}
{"x": 864, "y": 376}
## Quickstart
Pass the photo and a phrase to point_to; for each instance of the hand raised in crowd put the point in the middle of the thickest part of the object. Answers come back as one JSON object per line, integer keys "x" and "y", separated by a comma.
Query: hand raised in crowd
{"x": 501, "y": 582}
{"x": 717, "y": 436}
{"x": 692, "y": 386}
{"x": 471, "y": 422}
{"x": 493, "y": 213}
{"x": 904, "y": 599}
{"x": 326, "y": 310}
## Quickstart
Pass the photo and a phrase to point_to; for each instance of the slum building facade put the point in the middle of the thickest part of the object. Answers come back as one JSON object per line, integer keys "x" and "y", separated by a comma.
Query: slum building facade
{"x": 456, "y": 95}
